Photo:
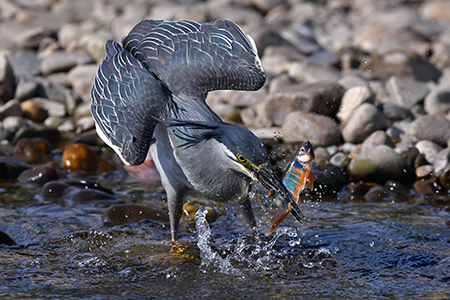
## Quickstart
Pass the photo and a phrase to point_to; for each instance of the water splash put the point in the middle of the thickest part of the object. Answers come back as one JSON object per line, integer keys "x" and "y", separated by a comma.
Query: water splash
{"x": 210, "y": 258}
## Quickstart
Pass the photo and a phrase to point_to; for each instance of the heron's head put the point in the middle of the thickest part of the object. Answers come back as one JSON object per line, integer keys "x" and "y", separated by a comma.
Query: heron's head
{"x": 247, "y": 154}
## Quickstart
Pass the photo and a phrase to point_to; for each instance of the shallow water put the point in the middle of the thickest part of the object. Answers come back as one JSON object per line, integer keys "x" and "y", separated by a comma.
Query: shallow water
{"x": 345, "y": 249}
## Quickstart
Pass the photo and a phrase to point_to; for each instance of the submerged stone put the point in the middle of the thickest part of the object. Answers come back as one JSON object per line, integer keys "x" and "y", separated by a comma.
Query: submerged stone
{"x": 129, "y": 213}
{"x": 53, "y": 190}
{"x": 214, "y": 210}
{"x": 38, "y": 175}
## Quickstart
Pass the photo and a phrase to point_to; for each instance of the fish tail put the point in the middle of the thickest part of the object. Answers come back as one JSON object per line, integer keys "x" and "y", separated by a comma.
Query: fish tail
{"x": 276, "y": 220}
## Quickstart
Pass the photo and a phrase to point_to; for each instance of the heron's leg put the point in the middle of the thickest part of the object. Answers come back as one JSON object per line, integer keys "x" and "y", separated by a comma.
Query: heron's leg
{"x": 246, "y": 210}
{"x": 175, "y": 204}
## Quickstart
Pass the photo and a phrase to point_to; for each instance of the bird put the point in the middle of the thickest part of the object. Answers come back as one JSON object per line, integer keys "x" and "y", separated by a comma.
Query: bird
{"x": 149, "y": 94}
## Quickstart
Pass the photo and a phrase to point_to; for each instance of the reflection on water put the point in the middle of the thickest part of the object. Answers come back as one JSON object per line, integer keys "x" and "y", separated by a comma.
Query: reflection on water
{"x": 345, "y": 249}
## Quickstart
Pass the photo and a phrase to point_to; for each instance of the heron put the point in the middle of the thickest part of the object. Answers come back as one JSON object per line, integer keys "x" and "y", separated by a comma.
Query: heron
{"x": 149, "y": 94}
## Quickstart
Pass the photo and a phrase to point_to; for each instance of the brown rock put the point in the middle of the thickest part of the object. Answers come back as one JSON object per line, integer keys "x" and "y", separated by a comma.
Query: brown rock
{"x": 78, "y": 157}
{"x": 33, "y": 150}
{"x": 34, "y": 111}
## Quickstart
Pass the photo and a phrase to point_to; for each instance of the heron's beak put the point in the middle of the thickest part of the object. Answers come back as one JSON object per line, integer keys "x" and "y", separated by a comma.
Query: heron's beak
{"x": 266, "y": 176}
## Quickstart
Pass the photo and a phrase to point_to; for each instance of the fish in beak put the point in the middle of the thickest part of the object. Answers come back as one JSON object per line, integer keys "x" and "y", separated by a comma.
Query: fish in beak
{"x": 296, "y": 178}
{"x": 266, "y": 176}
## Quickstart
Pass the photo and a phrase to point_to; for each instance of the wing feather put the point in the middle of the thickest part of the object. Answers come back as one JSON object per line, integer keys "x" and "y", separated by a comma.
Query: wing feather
{"x": 126, "y": 98}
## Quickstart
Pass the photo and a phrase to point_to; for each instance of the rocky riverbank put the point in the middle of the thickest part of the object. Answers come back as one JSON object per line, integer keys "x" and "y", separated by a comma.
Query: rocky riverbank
{"x": 367, "y": 82}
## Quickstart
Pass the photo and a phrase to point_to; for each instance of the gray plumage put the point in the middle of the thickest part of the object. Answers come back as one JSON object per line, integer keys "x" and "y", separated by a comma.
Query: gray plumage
{"x": 151, "y": 93}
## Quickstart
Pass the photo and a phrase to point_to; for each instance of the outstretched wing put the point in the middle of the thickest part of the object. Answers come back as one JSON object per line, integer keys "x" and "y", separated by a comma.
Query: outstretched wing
{"x": 193, "y": 58}
{"x": 125, "y": 99}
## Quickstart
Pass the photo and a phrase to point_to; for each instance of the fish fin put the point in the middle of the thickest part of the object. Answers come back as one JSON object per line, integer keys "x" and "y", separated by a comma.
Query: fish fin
{"x": 276, "y": 220}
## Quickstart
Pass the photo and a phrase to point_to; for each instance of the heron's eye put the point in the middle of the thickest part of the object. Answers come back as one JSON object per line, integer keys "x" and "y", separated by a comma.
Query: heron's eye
{"x": 241, "y": 158}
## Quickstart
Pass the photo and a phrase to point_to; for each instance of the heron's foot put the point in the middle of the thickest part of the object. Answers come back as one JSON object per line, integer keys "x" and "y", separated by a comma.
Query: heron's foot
{"x": 178, "y": 248}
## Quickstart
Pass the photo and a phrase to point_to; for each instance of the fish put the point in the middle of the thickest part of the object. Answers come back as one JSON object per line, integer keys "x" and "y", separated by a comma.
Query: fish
{"x": 297, "y": 177}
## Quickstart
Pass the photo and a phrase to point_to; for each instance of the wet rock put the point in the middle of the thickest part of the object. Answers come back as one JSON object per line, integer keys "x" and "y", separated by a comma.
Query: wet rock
{"x": 364, "y": 121}
{"x": 33, "y": 111}
{"x": 431, "y": 127}
{"x": 379, "y": 164}
{"x": 38, "y": 175}
{"x": 78, "y": 157}
{"x": 379, "y": 193}
{"x": 130, "y": 213}
{"x": 33, "y": 150}
{"x": 11, "y": 167}
{"x": 53, "y": 190}
{"x": 50, "y": 134}
{"x": 61, "y": 61}
{"x": 357, "y": 188}
{"x": 406, "y": 92}
{"x": 79, "y": 196}
{"x": 329, "y": 179}
{"x": 214, "y": 210}
{"x": 5, "y": 239}
{"x": 428, "y": 149}
{"x": 318, "y": 129}
{"x": 10, "y": 108}
{"x": 7, "y": 79}
{"x": 424, "y": 188}
{"x": 378, "y": 137}
{"x": 437, "y": 101}
{"x": 424, "y": 171}
{"x": 352, "y": 98}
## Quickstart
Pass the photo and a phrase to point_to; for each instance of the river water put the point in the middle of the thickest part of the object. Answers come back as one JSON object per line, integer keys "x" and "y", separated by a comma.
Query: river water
{"x": 347, "y": 248}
